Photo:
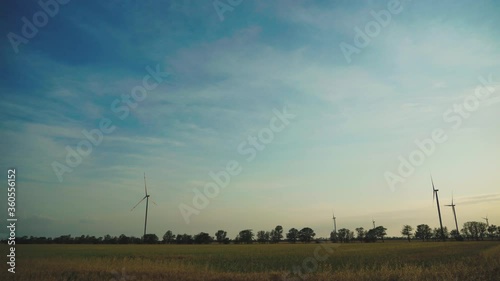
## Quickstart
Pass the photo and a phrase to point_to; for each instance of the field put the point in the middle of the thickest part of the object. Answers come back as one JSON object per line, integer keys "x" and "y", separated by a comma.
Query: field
{"x": 378, "y": 261}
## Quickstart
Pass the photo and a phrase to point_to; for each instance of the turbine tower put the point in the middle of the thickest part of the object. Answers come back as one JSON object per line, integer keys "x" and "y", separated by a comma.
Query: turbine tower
{"x": 334, "y": 223}
{"x": 435, "y": 194}
{"x": 487, "y": 222}
{"x": 454, "y": 213}
{"x": 373, "y": 221}
{"x": 147, "y": 205}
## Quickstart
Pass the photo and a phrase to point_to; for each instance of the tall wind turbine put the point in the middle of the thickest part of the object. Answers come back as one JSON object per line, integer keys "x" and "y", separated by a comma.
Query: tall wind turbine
{"x": 487, "y": 222}
{"x": 147, "y": 204}
{"x": 454, "y": 213}
{"x": 373, "y": 221}
{"x": 334, "y": 223}
{"x": 435, "y": 194}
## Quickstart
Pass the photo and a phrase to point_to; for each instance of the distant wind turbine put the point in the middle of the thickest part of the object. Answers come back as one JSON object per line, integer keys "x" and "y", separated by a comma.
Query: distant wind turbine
{"x": 147, "y": 204}
{"x": 373, "y": 221}
{"x": 454, "y": 213}
{"x": 334, "y": 223}
{"x": 435, "y": 194}
{"x": 487, "y": 222}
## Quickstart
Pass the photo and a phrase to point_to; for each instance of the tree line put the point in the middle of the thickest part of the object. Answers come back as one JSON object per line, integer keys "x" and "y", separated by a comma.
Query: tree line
{"x": 471, "y": 231}
{"x": 345, "y": 235}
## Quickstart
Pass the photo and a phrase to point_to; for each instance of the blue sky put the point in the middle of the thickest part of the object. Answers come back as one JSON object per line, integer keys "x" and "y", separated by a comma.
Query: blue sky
{"x": 352, "y": 119}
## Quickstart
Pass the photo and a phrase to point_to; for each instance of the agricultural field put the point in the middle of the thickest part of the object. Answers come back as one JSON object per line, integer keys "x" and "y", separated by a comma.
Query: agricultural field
{"x": 354, "y": 261}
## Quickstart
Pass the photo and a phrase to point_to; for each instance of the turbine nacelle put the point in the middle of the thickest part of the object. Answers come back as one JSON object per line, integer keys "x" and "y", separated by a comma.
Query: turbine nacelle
{"x": 434, "y": 190}
{"x": 487, "y": 222}
{"x": 435, "y": 195}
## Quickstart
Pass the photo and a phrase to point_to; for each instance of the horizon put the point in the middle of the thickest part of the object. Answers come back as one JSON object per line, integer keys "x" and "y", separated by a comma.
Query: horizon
{"x": 249, "y": 116}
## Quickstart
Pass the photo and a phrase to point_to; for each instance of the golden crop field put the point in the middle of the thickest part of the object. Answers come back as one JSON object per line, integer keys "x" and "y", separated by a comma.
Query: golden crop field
{"x": 355, "y": 261}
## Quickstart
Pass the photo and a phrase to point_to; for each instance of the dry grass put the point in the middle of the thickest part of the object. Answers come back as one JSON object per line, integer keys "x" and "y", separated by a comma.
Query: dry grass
{"x": 380, "y": 261}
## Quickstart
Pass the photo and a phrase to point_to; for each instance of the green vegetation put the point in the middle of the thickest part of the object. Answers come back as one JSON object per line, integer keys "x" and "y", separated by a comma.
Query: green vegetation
{"x": 352, "y": 261}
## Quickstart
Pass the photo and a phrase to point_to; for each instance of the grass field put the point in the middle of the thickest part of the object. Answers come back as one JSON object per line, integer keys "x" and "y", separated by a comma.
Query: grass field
{"x": 378, "y": 261}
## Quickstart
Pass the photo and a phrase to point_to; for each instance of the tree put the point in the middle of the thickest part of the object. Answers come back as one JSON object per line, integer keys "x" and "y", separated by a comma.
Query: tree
{"x": 246, "y": 236}
{"x": 202, "y": 238}
{"x": 168, "y": 237}
{"x": 334, "y": 237}
{"x": 123, "y": 239}
{"x": 292, "y": 235}
{"x": 492, "y": 231}
{"x": 407, "y": 231}
{"x": 474, "y": 230}
{"x": 423, "y": 232}
{"x": 306, "y": 235}
{"x": 220, "y": 236}
{"x": 150, "y": 239}
{"x": 277, "y": 234}
{"x": 178, "y": 239}
{"x": 371, "y": 235}
{"x": 436, "y": 233}
{"x": 345, "y": 235}
{"x": 107, "y": 239}
{"x": 237, "y": 239}
{"x": 267, "y": 236}
{"x": 360, "y": 234}
{"x": 456, "y": 235}
{"x": 446, "y": 233}
{"x": 380, "y": 231}
{"x": 79, "y": 240}
{"x": 263, "y": 236}
{"x": 184, "y": 239}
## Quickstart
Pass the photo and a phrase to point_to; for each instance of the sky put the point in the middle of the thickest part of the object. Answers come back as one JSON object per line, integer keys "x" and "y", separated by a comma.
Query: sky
{"x": 302, "y": 108}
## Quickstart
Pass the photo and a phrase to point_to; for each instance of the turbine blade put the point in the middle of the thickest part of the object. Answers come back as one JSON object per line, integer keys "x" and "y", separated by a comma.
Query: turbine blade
{"x": 145, "y": 188}
{"x": 152, "y": 201}
{"x": 433, "y": 190}
{"x": 138, "y": 203}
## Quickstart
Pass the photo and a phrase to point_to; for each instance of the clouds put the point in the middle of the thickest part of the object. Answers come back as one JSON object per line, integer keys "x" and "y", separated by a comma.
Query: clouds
{"x": 478, "y": 199}
{"x": 353, "y": 120}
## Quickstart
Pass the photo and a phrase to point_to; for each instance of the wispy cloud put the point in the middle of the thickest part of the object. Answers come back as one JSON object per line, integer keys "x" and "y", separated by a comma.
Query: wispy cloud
{"x": 226, "y": 77}
{"x": 478, "y": 199}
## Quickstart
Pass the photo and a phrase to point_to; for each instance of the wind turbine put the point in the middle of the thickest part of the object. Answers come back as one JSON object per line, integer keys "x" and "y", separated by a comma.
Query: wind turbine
{"x": 454, "y": 213}
{"x": 147, "y": 204}
{"x": 373, "y": 221}
{"x": 435, "y": 194}
{"x": 334, "y": 223}
{"x": 487, "y": 222}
